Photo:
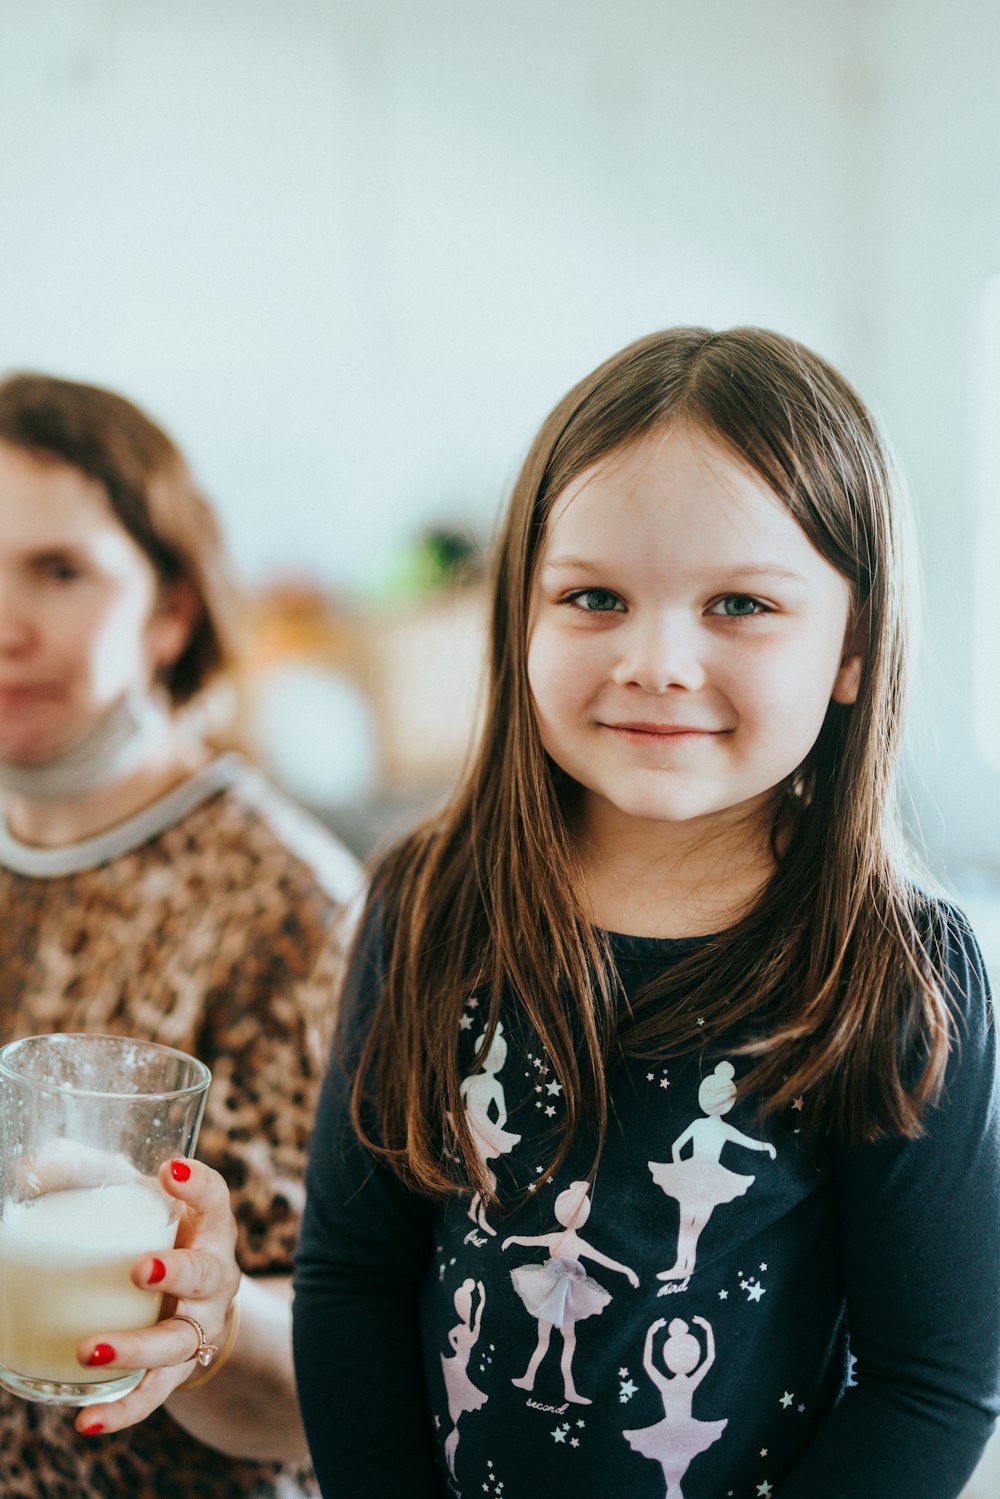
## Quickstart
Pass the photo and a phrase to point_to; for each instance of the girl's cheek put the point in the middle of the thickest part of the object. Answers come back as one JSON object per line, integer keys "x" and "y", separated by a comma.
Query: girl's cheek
{"x": 543, "y": 664}
{"x": 565, "y": 676}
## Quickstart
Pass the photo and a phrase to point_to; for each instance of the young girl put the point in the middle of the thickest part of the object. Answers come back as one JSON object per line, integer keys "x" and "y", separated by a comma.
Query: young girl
{"x": 672, "y": 875}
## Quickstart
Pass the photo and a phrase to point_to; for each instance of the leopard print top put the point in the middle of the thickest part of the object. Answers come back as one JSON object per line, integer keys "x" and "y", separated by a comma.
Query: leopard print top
{"x": 208, "y": 924}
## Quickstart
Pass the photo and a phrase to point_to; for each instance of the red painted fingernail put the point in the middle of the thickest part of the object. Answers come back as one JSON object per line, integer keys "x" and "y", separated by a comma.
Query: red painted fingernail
{"x": 102, "y": 1354}
{"x": 157, "y": 1273}
{"x": 180, "y": 1170}
{"x": 92, "y": 1429}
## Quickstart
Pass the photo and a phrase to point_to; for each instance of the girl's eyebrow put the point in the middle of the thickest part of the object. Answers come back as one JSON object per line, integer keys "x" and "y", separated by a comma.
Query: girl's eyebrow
{"x": 761, "y": 570}
{"x": 575, "y": 563}
{"x": 766, "y": 570}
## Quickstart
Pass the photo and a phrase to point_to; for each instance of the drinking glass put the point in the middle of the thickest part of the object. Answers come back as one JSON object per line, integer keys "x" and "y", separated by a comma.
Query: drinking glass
{"x": 85, "y": 1123}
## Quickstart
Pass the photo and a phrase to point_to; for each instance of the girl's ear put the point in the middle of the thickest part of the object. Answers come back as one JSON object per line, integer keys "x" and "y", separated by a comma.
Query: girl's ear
{"x": 174, "y": 618}
{"x": 848, "y": 678}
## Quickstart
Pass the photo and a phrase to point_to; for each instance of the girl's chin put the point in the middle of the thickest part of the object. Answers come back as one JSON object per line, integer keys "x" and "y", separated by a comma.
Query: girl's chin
{"x": 675, "y": 810}
{"x": 665, "y": 812}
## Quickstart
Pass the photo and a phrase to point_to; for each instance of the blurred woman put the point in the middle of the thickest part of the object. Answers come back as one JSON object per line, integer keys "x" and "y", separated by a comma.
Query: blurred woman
{"x": 153, "y": 888}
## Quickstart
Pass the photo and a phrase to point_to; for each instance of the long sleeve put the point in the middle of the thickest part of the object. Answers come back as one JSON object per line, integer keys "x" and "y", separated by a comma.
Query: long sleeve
{"x": 366, "y": 1242}
{"x": 921, "y": 1255}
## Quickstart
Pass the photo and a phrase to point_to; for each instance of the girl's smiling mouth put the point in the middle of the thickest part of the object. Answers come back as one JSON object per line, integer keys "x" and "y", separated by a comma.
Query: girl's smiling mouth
{"x": 661, "y": 731}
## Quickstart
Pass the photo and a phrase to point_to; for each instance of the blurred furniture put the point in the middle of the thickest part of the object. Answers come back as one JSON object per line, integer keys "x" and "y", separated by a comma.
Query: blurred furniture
{"x": 365, "y": 715}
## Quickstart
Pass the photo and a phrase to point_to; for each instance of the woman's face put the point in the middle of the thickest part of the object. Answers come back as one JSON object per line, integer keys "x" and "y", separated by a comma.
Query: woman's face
{"x": 82, "y": 620}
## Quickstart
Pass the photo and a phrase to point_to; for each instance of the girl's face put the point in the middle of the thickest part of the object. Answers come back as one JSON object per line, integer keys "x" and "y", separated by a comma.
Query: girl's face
{"x": 81, "y": 617}
{"x": 685, "y": 637}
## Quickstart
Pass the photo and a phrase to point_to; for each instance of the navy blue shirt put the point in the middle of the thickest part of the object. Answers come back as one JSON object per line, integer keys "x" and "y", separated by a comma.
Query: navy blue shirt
{"x": 720, "y": 1310}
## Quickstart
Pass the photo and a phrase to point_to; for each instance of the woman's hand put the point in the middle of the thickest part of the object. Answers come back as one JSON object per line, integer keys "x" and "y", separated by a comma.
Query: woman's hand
{"x": 199, "y": 1277}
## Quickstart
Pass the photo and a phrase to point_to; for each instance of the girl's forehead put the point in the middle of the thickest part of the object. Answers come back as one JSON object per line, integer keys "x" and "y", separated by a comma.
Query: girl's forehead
{"x": 667, "y": 471}
{"x": 677, "y": 499}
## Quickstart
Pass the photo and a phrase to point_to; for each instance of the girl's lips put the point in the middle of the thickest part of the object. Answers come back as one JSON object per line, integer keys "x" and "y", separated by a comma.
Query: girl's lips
{"x": 659, "y": 730}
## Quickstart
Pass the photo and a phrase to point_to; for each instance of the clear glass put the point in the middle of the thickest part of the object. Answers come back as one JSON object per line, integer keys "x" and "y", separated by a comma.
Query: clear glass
{"x": 85, "y": 1124}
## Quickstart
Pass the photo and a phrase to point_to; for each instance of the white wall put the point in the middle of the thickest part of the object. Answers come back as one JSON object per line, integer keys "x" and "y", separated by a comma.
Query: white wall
{"x": 352, "y": 251}
{"x": 936, "y": 236}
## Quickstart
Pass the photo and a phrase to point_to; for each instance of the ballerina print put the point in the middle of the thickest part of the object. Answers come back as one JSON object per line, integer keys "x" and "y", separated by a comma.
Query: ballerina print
{"x": 463, "y": 1395}
{"x": 678, "y": 1439}
{"x": 482, "y": 1093}
{"x": 699, "y": 1181}
{"x": 559, "y": 1292}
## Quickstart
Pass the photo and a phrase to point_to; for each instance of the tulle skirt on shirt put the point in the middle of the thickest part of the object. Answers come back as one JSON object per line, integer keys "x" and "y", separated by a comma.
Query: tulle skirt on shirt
{"x": 560, "y": 1291}
{"x": 699, "y": 1186}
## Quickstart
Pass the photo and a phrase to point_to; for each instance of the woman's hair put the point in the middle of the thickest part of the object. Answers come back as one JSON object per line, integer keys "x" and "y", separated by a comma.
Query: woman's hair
{"x": 832, "y": 977}
{"x": 152, "y": 494}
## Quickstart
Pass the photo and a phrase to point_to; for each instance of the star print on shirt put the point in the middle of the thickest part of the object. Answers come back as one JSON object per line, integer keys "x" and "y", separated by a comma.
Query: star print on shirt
{"x": 756, "y": 1292}
{"x": 627, "y": 1390}
{"x": 764, "y": 1489}
{"x": 465, "y": 1023}
{"x": 554, "y": 1088}
{"x": 786, "y": 1400}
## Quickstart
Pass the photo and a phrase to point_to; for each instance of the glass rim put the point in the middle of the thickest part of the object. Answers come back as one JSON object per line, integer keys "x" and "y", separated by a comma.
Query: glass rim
{"x": 199, "y": 1084}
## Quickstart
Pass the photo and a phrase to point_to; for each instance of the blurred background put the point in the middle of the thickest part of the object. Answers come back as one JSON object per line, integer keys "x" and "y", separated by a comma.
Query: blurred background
{"x": 351, "y": 251}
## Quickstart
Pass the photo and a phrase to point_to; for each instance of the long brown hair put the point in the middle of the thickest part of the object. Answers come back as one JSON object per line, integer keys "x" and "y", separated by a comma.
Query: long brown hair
{"x": 834, "y": 973}
{"x": 152, "y": 493}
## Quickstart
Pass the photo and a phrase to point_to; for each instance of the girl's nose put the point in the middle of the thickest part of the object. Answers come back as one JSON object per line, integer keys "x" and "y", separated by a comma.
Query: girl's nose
{"x": 660, "y": 654}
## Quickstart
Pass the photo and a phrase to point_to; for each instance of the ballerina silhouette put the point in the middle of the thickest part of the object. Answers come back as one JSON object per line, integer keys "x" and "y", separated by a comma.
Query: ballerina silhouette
{"x": 481, "y": 1092}
{"x": 559, "y": 1292}
{"x": 463, "y": 1395}
{"x": 699, "y": 1181}
{"x": 676, "y": 1440}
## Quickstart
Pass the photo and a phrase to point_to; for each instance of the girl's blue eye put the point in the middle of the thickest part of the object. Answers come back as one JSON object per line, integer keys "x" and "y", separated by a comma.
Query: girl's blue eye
{"x": 597, "y": 601}
{"x": 738, "y": 606}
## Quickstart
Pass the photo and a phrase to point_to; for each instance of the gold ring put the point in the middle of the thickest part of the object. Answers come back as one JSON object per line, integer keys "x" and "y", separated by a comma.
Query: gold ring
{"x": 205, "y": 1352}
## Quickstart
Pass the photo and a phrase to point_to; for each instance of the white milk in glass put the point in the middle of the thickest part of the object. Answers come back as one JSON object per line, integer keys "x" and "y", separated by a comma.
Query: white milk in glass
{"x": 64, "y": 1274}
